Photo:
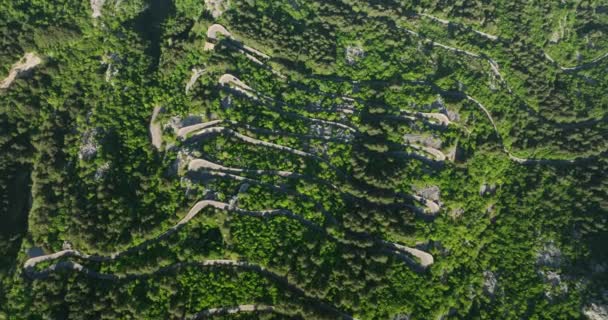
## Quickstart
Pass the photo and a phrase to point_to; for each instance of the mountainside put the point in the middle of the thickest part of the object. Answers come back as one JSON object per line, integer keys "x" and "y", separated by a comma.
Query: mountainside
{"x": 291, "y": 159}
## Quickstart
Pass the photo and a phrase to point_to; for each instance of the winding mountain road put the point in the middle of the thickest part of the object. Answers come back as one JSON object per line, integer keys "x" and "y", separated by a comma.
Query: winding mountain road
{"x": 198, "y": 164}
{"x": 31, "y": 263}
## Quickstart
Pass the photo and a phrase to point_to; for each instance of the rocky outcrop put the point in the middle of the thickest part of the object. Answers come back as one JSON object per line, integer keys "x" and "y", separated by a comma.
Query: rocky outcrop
{"x": 96, "y": 6}
{"x": 490, "y": 283}
{"x": 353, "y": 54}
{"x": 217, "y": 7}
{"x": 25, "y": 64}
{"x": 89, "y": 146}
{"x": 549, "y": 256}
{"x": 487, "y": 189}
{"x": 596, "y": 311}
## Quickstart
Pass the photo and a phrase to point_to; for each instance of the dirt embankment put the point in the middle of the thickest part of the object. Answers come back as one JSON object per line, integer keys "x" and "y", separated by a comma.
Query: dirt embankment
{"x": 28, "y": 62}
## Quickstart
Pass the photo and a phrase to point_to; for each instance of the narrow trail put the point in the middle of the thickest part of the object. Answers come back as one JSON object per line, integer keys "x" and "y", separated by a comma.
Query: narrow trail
{"x": 26, "y": 63}
{"x": 444, "y": 120}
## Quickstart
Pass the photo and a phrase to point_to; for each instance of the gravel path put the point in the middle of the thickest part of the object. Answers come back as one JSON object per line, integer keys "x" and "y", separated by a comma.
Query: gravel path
{"x": 212, "y": 34}
{"x": 26, "y": 63}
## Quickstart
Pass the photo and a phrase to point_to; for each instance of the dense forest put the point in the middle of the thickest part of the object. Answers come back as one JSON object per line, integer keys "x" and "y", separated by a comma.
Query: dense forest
{"x": 291, "y": 159}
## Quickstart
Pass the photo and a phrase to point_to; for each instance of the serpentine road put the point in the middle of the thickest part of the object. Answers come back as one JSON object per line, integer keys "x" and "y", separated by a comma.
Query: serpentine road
{"x": 227, "y": 79}
{"x": 494, "y": 38}
{"x": 194, "y": 211}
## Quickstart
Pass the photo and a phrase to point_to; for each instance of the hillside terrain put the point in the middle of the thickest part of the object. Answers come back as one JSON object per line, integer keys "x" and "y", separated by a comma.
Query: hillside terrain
{"x": 291, "y": 159}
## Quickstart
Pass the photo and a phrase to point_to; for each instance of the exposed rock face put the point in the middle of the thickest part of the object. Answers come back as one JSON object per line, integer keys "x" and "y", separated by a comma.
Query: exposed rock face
{"x": 431, "y": 193}
{"x": 101, "y": 171}
{"x": 456, "y": 213}
{"x": 490, "y": 282}
{"x": 217, "y": 7}
{"x": 453, "y": 116}
{"x": 66, "y": 245}
{"x": 111, "y": 61}
{"x": 23, "y": 66}
{"x": 555, "y": 286}
{"x": 549, "y": 256}
{"x": 88, "y": 149}
{"x": 596, "y": 311}
{"x": 227, "y": 102}
{"x": 96, "y": 6}
{"x": 353, "y": 54}
{"x": 487, "y": 189}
